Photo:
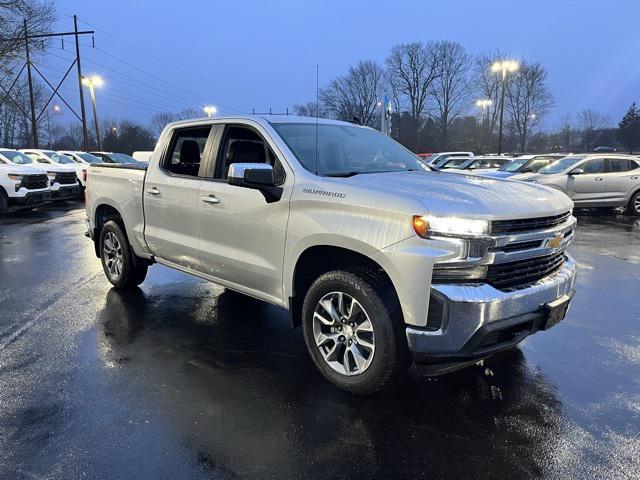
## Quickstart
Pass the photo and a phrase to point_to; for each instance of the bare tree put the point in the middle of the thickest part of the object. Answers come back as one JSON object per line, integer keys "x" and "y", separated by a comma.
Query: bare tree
{"x": 356, "y": 94}
{"x": 310, "y": 109}
{"x": 590, "y": 120}
{"x": 488, "y": 85}
{"x": 528, "y": 98}
{"x": 411, "y": 70}
{"x": 160, "y": 120}
{"x": 451, "y": 86}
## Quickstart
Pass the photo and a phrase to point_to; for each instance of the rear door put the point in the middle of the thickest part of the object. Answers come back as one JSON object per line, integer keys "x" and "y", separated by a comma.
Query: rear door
{"x": 172, "y": 198}
{"x": 242, "y": 236}
{"x": 587, "y": 189}
{"x": 621, "y": 177}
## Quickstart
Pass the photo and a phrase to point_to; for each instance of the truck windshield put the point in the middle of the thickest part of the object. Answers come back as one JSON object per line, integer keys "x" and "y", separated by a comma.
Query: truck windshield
{"x": 16, "y": 157}
{"x": 513, "y": 166}
{"x": 57, "y": 157}
{"x": 560, "y": 165}
{"x": 87, "y": 157}
{"x": 344, "y": 150}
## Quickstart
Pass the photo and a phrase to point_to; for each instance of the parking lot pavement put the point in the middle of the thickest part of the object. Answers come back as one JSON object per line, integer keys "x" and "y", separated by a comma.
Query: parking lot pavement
{"x": 182, "y": 379}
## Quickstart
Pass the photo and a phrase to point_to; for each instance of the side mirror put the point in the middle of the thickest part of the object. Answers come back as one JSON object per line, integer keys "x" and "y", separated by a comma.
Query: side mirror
{"x": 251, "y": 175}
{"x": 577, "y": 171}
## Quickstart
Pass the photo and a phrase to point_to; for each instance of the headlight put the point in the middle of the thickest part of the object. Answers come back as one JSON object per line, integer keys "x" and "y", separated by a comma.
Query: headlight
{"x": 426, "y": 226}
{"x": 15, "y": 177}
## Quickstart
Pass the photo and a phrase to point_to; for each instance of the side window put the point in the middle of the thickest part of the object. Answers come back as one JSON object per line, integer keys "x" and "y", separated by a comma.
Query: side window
{"x": 185, "y": 151}
{"x": 244, "y": 145}
{"x": 618, "y": 165}
{"x": 593, "y": 166}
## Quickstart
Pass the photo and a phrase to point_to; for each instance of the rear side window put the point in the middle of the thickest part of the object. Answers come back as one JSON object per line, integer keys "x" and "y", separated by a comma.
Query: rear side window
{"x": 185, "y": 151}
{"x": 617, "y": 165}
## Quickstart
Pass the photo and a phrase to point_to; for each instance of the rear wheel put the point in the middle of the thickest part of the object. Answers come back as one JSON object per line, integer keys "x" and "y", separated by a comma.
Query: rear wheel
{"x": 122, "y": 268}
{"x": 354, "y": 332}
{"x": 634, "y": 205}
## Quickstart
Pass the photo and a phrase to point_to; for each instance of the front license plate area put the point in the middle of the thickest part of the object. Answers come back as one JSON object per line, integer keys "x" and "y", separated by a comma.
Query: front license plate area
{"x": 555, "y": 312}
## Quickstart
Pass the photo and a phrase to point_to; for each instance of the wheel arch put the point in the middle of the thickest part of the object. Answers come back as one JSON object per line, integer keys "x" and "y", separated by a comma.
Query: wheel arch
{"x": 318, "y": 259}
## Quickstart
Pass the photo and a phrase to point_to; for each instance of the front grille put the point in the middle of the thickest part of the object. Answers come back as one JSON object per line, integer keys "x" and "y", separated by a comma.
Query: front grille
{"x": 522, "y": 273}
{"x": 67, "y": 178}
{"x": 499, "y": 227}
{"x": 34, "y": 182}
{"x": 519, "y": 246}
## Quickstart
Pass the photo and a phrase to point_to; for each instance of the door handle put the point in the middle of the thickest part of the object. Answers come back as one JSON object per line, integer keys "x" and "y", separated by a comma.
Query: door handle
{"x": 210, "y": 199}
{"x": 153, "y": 191}
{"x": 635, "y": 178}
{"x": 599, "y": 179}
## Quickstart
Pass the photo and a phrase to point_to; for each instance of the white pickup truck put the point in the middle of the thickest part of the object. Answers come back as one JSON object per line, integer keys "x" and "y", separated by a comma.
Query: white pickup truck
{"x": 21, "y": 186}
{"x": 381, "y": 260}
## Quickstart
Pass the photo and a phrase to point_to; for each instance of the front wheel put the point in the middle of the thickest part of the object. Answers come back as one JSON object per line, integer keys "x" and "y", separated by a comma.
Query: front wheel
{"x": 4, "y": 203}
{"x": 120, "y": 266}
{"x": 634, "y": 205}
{"x": 354, "y": 332}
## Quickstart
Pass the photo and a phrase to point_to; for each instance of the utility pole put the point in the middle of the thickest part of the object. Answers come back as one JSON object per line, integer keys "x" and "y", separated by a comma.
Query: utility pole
{"x": 34, "y": 124}
{"x": 85, "y": 132}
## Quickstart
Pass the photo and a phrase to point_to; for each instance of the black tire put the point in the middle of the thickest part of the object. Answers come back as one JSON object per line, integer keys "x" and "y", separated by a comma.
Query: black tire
{"x": 391, "y": 358}
{"x": 4, "y": 203}
{"x": 634, "y": 205}
{"x": 133, "y": 270}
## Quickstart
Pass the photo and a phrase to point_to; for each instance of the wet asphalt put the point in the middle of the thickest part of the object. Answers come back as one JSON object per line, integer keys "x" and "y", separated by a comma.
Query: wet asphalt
{"x": 182, "y": 379}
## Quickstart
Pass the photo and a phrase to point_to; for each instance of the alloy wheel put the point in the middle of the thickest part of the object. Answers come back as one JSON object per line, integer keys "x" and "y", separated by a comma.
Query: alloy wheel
{"x": 343, "y": 333}
{"x": 112, "y": 255}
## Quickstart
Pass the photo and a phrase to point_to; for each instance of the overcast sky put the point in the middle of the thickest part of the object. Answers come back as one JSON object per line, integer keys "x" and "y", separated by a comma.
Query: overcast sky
{"x": 261, "y": 54}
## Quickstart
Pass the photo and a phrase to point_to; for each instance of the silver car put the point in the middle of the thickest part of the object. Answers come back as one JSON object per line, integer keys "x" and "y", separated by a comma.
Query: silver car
{"x": 596, "y": 180}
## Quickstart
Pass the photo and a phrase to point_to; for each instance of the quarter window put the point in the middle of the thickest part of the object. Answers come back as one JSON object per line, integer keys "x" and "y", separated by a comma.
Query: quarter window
{"x": 618, "y": 165}
{"x": 185, "y": 151}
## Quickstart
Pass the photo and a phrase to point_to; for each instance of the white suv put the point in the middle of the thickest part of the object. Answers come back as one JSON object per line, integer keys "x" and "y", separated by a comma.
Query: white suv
{"x": 21, "y": 187}
{"x": 63, "y": 180}
{"x": 71, "y": 176}
{"x": 55, "y": 158}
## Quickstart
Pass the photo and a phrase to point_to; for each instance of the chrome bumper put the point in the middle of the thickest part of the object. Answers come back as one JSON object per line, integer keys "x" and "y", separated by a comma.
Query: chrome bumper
{"x": 472, "y": 310}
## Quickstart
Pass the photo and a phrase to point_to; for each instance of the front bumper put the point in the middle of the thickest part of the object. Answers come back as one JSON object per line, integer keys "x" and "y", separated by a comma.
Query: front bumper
{"x": 65, "y": 192}
{"x": 31, "y": 199}
{"x": 479, "y": 320}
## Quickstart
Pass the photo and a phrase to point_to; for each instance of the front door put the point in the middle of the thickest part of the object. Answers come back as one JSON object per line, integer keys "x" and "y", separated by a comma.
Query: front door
{"x": 242, "y": 236}
{"x": 172, "y": 198}
{"x": 587, "y": 188}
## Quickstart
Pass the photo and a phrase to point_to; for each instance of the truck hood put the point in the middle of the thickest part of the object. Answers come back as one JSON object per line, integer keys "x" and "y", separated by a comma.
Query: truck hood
{"x": 19, "y": 170}
{"x": 452, "y": 194}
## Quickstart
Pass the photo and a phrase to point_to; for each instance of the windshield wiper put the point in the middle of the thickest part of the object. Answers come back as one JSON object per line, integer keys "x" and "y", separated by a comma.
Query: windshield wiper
{"x": 342, "y": 174}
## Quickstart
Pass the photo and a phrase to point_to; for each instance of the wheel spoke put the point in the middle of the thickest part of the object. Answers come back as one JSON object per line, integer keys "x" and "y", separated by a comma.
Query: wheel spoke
{"x": 328, "y": 306}
{"x": 322, "y": 319}
{"x": 363, "y": 342}
{"x": 354, "y": 310}
{"x": 345, "y": 362}
{"x": 358, "y": 357}
{"x": 365, "y": 326}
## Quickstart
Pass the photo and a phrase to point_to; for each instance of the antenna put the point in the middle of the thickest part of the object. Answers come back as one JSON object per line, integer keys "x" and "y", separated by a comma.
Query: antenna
{"x": 317, "y": 113}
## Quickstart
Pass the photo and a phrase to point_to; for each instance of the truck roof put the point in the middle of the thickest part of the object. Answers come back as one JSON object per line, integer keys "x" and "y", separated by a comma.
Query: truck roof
{"x": 264, "y": 119}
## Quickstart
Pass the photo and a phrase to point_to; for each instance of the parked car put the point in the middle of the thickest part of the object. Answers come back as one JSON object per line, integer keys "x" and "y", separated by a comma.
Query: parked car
{"x": 84, "y": 158}
{"x": 479, "y": 165}
{"x": 54, "y": 158}
{"x": 21, "y": 186}
{"x": 371, "y": 252}
{"x": 596, "y": 180}
{"x": 62, "y": 180}
{"x": 525, "y": 164}
{"x": 438, "y": 158}
{"x": 119, "y": 158}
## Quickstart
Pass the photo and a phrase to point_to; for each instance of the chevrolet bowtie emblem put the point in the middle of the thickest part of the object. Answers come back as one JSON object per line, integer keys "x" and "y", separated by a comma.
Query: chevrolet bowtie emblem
{"x": 555, "y": 241}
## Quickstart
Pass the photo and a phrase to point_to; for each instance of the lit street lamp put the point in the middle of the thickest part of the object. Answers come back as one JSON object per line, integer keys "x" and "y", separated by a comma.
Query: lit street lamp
{"x": 210, "y": 110}
{"x": 504, "y": 67}
{"x": 484, "y": 103}
{"x": 91, "y": 82}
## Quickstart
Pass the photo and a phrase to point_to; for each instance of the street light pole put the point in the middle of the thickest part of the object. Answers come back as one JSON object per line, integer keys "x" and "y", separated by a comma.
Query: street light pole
{"x": 505, "y": 66}
{"x": 92, "y": 82}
